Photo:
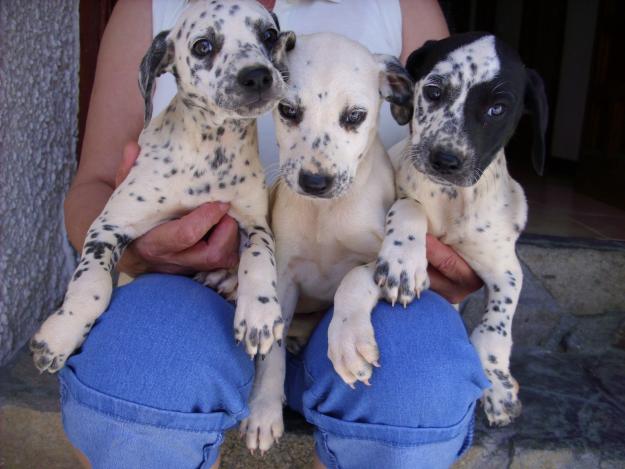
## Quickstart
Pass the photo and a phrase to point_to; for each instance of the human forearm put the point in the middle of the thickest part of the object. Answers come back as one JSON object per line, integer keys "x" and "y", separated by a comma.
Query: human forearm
{"x": 83, "y": 204}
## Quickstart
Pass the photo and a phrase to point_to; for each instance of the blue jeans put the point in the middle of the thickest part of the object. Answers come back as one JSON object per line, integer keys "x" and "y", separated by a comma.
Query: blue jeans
{"x": 159, "y": 381}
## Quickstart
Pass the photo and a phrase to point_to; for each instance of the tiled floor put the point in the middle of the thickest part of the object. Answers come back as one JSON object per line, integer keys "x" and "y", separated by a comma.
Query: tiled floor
{"x": 556, "y": 209}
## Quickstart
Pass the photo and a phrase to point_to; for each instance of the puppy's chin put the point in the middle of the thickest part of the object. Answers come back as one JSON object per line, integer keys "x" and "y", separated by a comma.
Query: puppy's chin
{"x": 466, "y": 178}
{"x": 254, "y": 105}
{"x": 256, "y": 108}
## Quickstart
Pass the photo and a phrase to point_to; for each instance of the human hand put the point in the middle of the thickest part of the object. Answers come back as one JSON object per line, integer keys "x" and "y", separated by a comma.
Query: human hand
{"x": 181, "y": 246}
{"x": 450, "y": 275}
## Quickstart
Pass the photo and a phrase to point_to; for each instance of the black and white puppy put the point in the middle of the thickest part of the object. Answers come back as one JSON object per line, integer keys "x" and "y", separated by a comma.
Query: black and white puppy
{"x": 452, "y": 181}
{"x": 227, "y": 57}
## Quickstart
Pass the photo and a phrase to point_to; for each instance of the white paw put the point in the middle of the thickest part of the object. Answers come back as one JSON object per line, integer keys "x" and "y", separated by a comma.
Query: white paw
{"x": 401, "y": 273}
{"x": 264, "y": 426}
{"x": 352, "y": 348}
{"x": 58, "y": 337}
{"x": 258, "y": 322}
{"x": 223, "y": 281}
{"x": 501, "y": 402}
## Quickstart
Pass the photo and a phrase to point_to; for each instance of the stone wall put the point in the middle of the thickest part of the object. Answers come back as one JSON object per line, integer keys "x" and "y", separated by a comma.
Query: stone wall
{"x": 38, "y": 127}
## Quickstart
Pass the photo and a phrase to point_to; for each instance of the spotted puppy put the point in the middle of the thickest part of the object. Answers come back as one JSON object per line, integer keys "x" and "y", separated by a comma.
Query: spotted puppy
{"x": 452, "y": 181}
{"x": 335, "y": 187}
{"x": 227, "y": 58}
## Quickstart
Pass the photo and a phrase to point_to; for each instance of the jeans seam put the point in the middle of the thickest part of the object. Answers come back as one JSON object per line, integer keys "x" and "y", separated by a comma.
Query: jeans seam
{"x": 121, "y": 419}
{"x": 327, "y": 450}
{"x": 384, "y": 442}
{"x": 65, "y": 398}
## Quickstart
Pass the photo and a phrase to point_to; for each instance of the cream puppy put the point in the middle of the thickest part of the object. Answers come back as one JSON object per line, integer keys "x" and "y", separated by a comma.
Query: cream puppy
{"x": 335, "y": 188}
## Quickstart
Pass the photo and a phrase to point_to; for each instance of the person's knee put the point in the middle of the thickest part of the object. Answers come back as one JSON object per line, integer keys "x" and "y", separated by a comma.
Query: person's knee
{"x": 166, "y": 341}
{"x": 429, "y": 376}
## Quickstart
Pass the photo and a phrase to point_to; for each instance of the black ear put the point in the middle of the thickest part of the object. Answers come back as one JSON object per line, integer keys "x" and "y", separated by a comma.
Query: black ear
{"x": 536, "y": 104}
{"x": 416, "y": 60}
{"x": 285, "y": 43}
{"x": 155, "y": 62}
{"x": 275, "y": 20}
{"x": 396, "y": 87}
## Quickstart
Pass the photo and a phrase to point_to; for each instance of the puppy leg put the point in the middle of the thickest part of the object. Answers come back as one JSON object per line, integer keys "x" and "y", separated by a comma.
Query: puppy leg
{"x": 258, "y": 320}
{"x": 352, "y": 347}
{"x": 492, "y": 338}
{"x": 401, "y": 269}
{"x": 90, "y": 288}
{"x": 264, "y": 425}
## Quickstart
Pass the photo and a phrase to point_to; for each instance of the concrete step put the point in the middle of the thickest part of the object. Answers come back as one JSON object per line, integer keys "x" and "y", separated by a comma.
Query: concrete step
{"x": 569, "y": 357}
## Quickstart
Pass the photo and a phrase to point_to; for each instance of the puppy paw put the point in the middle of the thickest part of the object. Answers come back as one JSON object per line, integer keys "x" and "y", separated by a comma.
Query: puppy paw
{"x": 223, "y": 281}
{"x": 258, "y": 322}
{"x": 55, "y": 341}
{"x": 264, "y": 426}
{"x": 352, "y": 348}
{"x": 501, "y": 402}
{"x": 401, "y": 273}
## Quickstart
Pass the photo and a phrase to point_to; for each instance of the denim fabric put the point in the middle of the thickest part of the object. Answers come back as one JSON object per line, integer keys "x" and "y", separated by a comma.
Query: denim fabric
{"x": 158, "y": 381}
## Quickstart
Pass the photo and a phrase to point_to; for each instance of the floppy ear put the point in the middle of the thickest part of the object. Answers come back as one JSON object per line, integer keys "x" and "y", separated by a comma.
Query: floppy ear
{"x": 275, "y": 20}
{"x": 285, "y": 43}
{"x": 156, "y": 61}
{"x": 536, "y": 104}
{"x": 416, "y": 60}
{"x": 396, "y": 87}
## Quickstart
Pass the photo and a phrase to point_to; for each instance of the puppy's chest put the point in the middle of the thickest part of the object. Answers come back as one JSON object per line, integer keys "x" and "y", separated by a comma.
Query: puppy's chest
{"x": 189, "y": 169}
{"x": 328, "y": 250}
{"x": 465, "y": 216}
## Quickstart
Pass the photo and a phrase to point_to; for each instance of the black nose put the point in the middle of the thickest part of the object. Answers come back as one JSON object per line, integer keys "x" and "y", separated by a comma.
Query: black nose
{"x": 255, "y": 78}
{"x": 315, "y": 184}
{"x": 445, "y": 163}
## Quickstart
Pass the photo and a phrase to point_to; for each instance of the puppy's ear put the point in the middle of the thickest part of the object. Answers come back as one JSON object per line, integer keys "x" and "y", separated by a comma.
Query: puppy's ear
{"x": 536, "y": 104}
{"x": 416, "y": 60}
{"x": 275, "y": 20}
{"x": 285, "y": 43}
{"x": 396, "y": 87}
{"x": 156, "y": 61}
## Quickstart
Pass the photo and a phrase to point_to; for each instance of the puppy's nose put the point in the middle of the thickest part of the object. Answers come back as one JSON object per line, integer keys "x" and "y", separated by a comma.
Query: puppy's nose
{"x": 445, "y": 163}
{"x": 255, "y": 78}
{"x": 315, "y": 184}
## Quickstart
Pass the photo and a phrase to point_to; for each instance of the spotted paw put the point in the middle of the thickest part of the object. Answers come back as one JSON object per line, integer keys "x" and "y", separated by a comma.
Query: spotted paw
{"x": 223, "y": 281}
{"x": 501, "y": 402}
{"x": 264, "y": 426}
{"x": 352, "y": 348}
{"x": 56, "y": 340}
{"x": 401, "y": 275}
{"x": 258, "y": 323}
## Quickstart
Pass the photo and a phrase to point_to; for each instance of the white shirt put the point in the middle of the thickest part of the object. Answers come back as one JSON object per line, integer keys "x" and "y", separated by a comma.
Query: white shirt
{"x": 376, "y": 24}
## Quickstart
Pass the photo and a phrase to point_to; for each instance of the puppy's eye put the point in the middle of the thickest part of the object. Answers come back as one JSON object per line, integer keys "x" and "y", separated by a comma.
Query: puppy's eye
{"x": 269, "y": 37}
{"x": 355, "y": 116}
{"x": 350, "y": 119}
{"x": 201, "y": 48}
{"x": 432, "y": 92}
{"x": 496, "y": 110}
{"x": 288, "y": 112}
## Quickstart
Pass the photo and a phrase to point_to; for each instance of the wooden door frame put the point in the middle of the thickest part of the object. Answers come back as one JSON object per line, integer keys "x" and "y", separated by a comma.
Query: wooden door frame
{"x": 93, "y": 16}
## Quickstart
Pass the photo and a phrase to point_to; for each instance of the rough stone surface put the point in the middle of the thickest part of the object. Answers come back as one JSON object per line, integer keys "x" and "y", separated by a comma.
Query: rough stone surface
{"x": 538, "y": 319}
{"x": 583, "y": 281}
{"x": 38, "y": 122}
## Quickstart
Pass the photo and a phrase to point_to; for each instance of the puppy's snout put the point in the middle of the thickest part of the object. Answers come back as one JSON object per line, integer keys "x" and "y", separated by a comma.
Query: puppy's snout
{"x": 444, "y": 162}
{"x": 315, "y": 183}
{"x": 255, "y": 79}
